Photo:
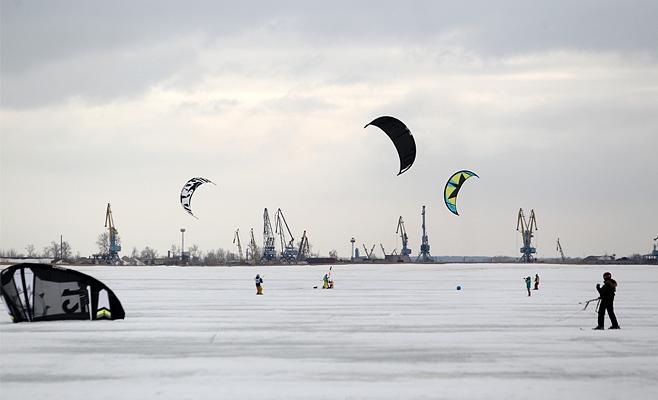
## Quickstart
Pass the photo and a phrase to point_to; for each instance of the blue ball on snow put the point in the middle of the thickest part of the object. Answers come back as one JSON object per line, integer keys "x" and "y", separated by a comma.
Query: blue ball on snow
{"x": 459, "y": 287}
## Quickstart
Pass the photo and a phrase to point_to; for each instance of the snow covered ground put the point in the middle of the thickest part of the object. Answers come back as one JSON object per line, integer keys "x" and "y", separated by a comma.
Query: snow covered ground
{"x": 384, "y": 332}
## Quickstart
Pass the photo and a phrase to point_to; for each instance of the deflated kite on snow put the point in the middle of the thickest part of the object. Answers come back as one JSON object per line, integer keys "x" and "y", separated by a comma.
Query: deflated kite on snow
{"x": 452, "y": 188}
{"x": 188, "y": 191}
{"x": 402, "y": 139}
{"x": 42, "y": 292}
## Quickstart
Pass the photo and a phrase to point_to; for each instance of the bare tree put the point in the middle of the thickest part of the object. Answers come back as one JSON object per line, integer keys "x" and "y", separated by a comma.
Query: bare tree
{"x": 31, "y": 251}
{"x": 148, "y": 253}
{"x": 103, "y": 242}
{"x": 174, "y": 250}
{"x": 194, "y": 251}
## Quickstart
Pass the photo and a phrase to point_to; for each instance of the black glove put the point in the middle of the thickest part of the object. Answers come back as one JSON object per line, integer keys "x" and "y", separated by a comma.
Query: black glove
{"x": 598, "y": 286}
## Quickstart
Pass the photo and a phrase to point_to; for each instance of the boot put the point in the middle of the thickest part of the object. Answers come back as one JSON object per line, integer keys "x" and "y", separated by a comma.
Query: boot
{"x": 598, "y": 328}
{"x": 615, "y": 327}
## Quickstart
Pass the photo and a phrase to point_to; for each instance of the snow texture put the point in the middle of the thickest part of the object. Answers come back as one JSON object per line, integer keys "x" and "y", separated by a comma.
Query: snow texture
{"x": 384, "y": 332}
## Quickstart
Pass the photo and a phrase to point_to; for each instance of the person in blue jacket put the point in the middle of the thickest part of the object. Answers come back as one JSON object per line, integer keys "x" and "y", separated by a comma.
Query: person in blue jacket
{"x": 259, "y": 282}
{"x": 528, "y": 283}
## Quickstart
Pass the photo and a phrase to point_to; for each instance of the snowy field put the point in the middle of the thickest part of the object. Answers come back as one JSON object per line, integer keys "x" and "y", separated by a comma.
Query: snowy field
{"x": 384, "y": 332}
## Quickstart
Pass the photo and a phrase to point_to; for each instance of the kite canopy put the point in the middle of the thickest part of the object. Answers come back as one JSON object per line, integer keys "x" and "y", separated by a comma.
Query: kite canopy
{"x": 42, "y": 292}
{"x": 402, "y": 139}
{"x": 452, "y": 188}
{"x": 188, "y": 191}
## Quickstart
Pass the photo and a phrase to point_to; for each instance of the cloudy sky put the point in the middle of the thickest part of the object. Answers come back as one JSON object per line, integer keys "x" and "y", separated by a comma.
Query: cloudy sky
{"x": 553, "y": 104}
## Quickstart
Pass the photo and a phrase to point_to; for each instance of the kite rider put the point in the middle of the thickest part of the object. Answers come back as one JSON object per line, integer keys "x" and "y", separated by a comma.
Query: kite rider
{"x": 327, "y": 283}
{"x": 536, "y": 282}
{"x": 259, "y": 281}
{"x": 528, "y": 283}
{"x": 607, "y": 297}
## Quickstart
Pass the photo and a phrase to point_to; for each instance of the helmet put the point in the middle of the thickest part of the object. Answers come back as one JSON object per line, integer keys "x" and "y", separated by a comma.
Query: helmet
{"x": 607, "y": 275}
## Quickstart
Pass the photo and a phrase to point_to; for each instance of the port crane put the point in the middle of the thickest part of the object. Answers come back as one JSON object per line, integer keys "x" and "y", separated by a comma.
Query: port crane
{"x": 112, "y": 255}
{"x": 251, "y": 254}
{"x": 269, "y": 251}
{"x": 383, "y": 251}
{"x": 236, "y": 238}
{"x": 289, "y": 252}
{"x": 304, "y": 251}
{"x": 424, "y": 255}
{"x": 369, "y": 254}
{"x": 526, "y": 228}
{"x": 403, "y": 236}
{"x": 559, "y": 248}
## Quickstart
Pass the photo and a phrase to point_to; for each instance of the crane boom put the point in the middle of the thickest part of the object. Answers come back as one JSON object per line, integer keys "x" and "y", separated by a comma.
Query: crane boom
{"x": 403, "y": 237}
{"x": 526, "y": 228}
{"x": 237, "y": 238}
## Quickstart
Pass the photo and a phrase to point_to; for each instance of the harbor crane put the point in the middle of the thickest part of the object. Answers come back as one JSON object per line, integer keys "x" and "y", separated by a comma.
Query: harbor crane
{"x": 269, "y": 251}
{"x": 236, "y": 238}
{"x": 424, "y": 255}
{"x": 289, "y": 252}
{"x": 526, "y": 228}
{"x": 112, "y": 256}
{"x": 559, "y": 248}
{"x": 403, "y": 236}
{"x": 252, "y": 249}
{"x": 383, "y": 251}
{"x": 304, "y": 251}
{"x": 369, "y": 254}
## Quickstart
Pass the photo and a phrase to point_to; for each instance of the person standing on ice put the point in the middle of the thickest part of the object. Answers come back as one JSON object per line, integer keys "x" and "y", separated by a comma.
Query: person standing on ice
{"x": 259, "y": 282}
{"x": 607, "y": 297}
{"x": 536, "y": 282}
{"x": 528, "y": 284}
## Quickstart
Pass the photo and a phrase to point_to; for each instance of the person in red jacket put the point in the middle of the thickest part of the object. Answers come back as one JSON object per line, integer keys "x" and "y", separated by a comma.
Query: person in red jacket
{"x": 607, "y": 297}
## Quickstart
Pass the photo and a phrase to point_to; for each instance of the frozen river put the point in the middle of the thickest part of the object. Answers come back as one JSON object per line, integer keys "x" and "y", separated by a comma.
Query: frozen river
{"x": 384, "y": 332}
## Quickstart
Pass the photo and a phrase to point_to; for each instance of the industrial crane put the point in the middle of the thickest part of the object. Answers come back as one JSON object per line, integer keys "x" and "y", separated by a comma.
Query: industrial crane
{"x": 251, "y": 254}
{"x": 383, "y": 251}
{"x": 424, "y": 255}
{"x": 369, "y": 254}
{"x": 559, "y": 248}
{"x": 236, "y": 238}
{"x": 289, "y": 252}
{"x": 269, "y": 251}
{"x": 526, "y": 228}
{"x": 112, "y": 255}
{"x": 403, "y": 236}
{"x": 304, "y": 248}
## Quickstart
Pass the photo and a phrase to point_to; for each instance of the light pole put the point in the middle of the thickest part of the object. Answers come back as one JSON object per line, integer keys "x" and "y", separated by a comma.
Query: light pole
{"x": 182, "y": 243}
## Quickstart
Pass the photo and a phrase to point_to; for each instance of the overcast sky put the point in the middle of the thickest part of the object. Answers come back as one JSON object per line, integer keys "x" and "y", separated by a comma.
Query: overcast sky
{"x": 554, "y": 105}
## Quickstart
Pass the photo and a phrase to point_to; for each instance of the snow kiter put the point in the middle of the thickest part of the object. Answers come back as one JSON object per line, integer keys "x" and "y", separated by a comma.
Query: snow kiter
{"x": 452, "y": 188}
{"x": 188, "y": 191}
{"x": 42, "y": 292}
{"x": 401, "y": 136}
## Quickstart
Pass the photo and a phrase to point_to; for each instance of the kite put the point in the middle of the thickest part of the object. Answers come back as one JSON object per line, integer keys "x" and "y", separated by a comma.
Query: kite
{"x": 42, "y": 292}
{"x": 188, "y": 191}
{"x": 402, "y": 139}
{"x": 453, "y": 186}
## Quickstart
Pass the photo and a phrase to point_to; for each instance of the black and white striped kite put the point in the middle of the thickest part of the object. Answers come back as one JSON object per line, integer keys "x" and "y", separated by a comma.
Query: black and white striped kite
{"x": 188, "y": 191}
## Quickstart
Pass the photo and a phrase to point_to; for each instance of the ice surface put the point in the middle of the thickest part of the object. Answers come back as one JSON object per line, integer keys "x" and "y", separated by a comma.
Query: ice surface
{"x": 384, "y": 332}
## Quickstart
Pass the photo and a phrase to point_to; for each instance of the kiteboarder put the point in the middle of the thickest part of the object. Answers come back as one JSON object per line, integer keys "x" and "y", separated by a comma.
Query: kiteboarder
{"x": 327, "y": 283}
{"x": 536, "y": 282}
{"x": 528, "y": 283}
{"x": 259, "y": 282}
{"x": 607, "y": 297}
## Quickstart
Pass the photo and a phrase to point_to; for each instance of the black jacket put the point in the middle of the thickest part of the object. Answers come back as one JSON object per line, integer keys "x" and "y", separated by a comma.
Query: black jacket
{"x": 607, "y": 291}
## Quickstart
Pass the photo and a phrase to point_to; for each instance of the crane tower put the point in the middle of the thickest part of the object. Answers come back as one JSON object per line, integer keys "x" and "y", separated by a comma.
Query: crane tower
{"x": 269, "y": 251}
{"x": 289, "y": 252}
{"x": 526, "y": 228}
{"x": 112, "y": 255}
{"x": 559, "y": 248}
{"x": 403, "y": 236}
{"x": 424, "y": 255}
